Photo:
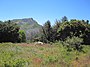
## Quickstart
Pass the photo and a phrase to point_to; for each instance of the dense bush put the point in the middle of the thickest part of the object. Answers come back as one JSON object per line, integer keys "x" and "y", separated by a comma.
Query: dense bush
{"x": 71, "y": 33}
{"x": 22, "y": 36}
{"x": 47, "y": 32}
{"x": 76, "y": 28}
{"x": 74, "y": 42}
{"x": 64, "y": 28}
{"x": 9, "y": 32}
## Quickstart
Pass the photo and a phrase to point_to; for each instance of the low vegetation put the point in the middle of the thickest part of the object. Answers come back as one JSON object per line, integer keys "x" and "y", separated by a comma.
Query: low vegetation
{"x": 31, "y": 55}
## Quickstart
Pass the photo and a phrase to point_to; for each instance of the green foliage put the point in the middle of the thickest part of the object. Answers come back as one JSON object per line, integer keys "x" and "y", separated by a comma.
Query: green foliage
{"x": 74, "y": 42}
{"x": 22, "y": 36}
{"x": 9, "y": 32}
{"x": 55, "y": 29}
{"x": 64, "y": 28}
{"x": 47, "y": 32}
{"x": 76, "y": 28}
{"x": 19, "y": 55}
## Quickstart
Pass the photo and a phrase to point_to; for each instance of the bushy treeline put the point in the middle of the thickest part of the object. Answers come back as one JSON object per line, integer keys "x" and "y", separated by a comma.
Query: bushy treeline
{"x": 64, "y": 29}
{"x": 10, "y": 32}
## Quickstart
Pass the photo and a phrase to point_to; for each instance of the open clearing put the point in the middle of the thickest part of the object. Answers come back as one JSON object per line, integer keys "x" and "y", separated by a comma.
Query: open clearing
{"x": 31, "y": 55}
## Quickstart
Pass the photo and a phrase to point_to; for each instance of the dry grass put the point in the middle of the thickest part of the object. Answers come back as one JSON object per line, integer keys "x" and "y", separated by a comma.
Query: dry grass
{"x": 31, "y": 55}
{"x": 82, "y": 62}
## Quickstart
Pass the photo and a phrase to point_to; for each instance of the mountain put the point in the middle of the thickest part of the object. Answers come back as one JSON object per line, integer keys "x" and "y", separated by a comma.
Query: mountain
{"x": 30, "y": 26}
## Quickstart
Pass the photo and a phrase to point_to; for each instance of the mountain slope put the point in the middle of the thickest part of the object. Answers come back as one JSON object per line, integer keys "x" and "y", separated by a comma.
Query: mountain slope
{"x": 29, "y": 25}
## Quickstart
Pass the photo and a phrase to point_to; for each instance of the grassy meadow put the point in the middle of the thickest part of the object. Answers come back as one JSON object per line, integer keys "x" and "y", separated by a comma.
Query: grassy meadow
{"x": 31, "y": 55}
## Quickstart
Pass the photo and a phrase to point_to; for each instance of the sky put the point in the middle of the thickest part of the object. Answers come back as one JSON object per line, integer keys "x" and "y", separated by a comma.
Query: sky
{"x": 43, "y": 10}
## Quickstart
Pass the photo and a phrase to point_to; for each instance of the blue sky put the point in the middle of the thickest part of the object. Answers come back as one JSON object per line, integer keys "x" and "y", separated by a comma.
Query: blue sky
{"x": 43, "y": 10}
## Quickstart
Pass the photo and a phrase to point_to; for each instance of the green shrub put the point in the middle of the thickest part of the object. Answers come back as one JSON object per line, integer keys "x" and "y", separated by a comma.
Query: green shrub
{"x": 74, "y": 42}
{"x": 9, "y": 32}
{"x": 22, "y": 36}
